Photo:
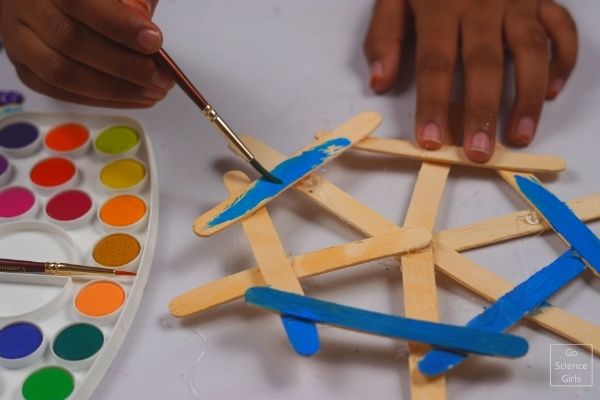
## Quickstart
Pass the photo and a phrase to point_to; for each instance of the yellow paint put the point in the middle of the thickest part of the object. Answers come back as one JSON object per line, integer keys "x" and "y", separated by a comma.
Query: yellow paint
{"x": 122, "y": 174}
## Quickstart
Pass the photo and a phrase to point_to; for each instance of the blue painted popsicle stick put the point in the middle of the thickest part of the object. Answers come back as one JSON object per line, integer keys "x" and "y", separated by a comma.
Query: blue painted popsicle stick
{"x": 510, "y": 308}
{"x": 302, "y": 335}
{"x": 563, "y": 220}
{"x": 441, "y": 335}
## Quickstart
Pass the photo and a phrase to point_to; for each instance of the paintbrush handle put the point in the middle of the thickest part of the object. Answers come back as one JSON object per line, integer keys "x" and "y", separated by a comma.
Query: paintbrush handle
{"x": 9, "y": 265}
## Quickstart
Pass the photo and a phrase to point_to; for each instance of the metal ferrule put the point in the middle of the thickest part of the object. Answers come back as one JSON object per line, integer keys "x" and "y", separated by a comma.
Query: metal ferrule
{"x": 227, "y": 132}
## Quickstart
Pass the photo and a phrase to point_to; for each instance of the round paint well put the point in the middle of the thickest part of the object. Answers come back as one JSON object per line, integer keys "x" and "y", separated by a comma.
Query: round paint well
{"x": 100, "y": 300}
{"x": 21, "y": 343}
{"x": 69, "y": 139}
{"x": 17, "y": 202}
{"x": 76, "y": 345}
{"x": 53, "y": 173}
{"x": 19, "y": 139}
{"x": 70, "y": 208}
{"x": 48, "y": 383}
{"x": 123, "y": 174}
{"x": 124, "y": 211}
{"x": 117, "y": 250}
{"x": 5, "y": 170}
{"x": 117, "y": 140}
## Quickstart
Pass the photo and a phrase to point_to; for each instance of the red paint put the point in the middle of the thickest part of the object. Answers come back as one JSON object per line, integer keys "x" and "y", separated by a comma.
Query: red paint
{"x": 68, "y": 205}
{"x": 52, "y": 172}
{"x": 67, "y": 137}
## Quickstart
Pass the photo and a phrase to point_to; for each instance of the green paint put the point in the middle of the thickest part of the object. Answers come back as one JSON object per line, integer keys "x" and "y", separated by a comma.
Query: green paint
{"x": 49, "y": 383}
{"x": 78, "y": 342}
{"x": 117, "y": 140}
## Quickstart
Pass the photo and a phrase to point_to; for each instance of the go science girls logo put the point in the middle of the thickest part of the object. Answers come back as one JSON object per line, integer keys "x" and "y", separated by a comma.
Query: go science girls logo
{"x": 571, "y": 365}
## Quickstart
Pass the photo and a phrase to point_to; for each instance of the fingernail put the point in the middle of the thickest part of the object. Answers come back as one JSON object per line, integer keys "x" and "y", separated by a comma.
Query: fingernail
{"x": 376, "y": 72}
{"x": 153, "y": 94}
{"x": 149, "y": 39}
{"x": 141, "y": 6}
{"x": 556, "y": 87}
{"x": 162, "y": 79}
{"x": 431, "y": 133}
{"x": 525, "y": 129}
{"x": 481, "y": 142}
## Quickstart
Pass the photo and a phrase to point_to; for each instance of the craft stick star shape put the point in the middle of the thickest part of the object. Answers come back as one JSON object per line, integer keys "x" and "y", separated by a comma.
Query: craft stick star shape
{"x": 444, "y": 253}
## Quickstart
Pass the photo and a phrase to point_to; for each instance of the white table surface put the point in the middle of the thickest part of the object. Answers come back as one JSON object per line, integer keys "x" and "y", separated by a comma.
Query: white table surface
{"x": 281, "y": 71}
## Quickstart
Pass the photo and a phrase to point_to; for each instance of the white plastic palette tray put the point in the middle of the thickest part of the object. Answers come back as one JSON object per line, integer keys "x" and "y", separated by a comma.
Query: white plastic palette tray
{"x": 49, "y": 302}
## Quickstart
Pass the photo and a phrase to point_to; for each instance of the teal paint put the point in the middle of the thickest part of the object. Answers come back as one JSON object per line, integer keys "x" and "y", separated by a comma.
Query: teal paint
{"x": 509, "y": 309}
{"x": 289, "y": 172}
{"x": 78, "y": 342}
{"x": 447, "y": 336}
{"x": 563, "y": 220}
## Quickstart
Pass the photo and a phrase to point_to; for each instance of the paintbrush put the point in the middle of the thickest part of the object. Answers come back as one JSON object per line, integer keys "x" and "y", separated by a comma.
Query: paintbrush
{"x": 54, "y": 268}
{"x": 210, "y": 113}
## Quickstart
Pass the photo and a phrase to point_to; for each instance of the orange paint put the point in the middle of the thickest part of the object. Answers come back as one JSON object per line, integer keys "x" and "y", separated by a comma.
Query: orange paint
{"x": 67, "y": 137}
{"x": 123, "y": 210}
{"x": 53, "y": 171}
{"x": 100, "y": 298}
{"x": 116, "y": 250}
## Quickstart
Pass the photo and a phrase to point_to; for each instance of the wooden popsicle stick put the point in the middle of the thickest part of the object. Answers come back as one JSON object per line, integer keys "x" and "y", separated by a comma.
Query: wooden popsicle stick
{"x": 511, "y": 226}
{"x": 446, "y": 336}
{"x": 290, "y": 171}
{"x": 330, "y": 259}
{"x": 274, "y": 266}
{"x": 418, "y": 275}
{"x": 475, "y": 277}
{"x": 448, "y": 154}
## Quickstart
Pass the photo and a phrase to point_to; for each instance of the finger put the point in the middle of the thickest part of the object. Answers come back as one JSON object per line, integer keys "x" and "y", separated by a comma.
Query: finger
{"x": 37, "y": 84}
{"x": 78, "y": 42}
{"x": 66, "y": 74}
{"x": 481, "y": 36}
{"x": 561, "y": 28}
{"x": 383, "y": 43}
{"x": 437, "y": 35}
{"x": 528, "y": 44}
{"x": 115, "y": 20}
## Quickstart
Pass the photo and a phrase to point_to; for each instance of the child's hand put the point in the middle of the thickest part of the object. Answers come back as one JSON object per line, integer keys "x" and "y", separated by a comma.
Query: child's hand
{"x": 94, "y": 52}
{"x": 483, "y": 28}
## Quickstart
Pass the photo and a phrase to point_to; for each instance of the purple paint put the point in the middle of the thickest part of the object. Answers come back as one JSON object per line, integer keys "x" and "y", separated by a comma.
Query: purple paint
{"x": 15, "y": 201}
{"x": 3, "y": 164}
{"x": 11, "y": 97}
{"x": 18, "y": 135}
{"x": 19, "y": 340}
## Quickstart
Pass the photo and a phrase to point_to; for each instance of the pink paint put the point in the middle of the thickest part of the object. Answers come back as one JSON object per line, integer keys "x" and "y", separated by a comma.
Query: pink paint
{"x": 15, "y": 201}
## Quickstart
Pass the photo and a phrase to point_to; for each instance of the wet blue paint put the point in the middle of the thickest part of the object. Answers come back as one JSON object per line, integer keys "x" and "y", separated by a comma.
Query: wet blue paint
{"x": 457, "y": 338}
{"x": 18, "y": 134}
{"x": 302, "y": 334}
{"x": 289, "y": 171}
{"x": 510, "y": 308}
{"x": 19, "y": 340}
{"x": 563, "y": 220}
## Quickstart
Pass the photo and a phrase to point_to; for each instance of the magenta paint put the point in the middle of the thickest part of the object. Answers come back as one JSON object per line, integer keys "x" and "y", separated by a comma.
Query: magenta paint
{"x": 15, "y": 201}
{"x": 69, "y": 205}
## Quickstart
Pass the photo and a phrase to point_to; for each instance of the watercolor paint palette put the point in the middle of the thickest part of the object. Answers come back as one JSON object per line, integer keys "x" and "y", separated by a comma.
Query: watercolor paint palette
{"x": 73, "y": 189}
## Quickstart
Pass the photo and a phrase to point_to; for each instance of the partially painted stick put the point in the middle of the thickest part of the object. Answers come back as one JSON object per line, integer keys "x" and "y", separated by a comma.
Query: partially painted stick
{"x": 330, "y": 259}
{"x": 275, "y": 267}
{"x": 290, "y": 171}
{"x": 502, "y": 158}
{"x": 510, "y": 308}
{"x": 563, "y": 220}
{"x": 440, "y": 335}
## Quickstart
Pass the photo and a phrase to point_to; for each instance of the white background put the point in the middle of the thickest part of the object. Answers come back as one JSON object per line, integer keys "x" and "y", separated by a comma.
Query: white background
{"x": 281, "y": 71}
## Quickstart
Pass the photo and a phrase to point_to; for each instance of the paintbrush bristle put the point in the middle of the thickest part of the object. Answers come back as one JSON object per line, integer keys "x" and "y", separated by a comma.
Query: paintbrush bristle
{"x": 125, "y": 273}
{"x": 263, "y": 171}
